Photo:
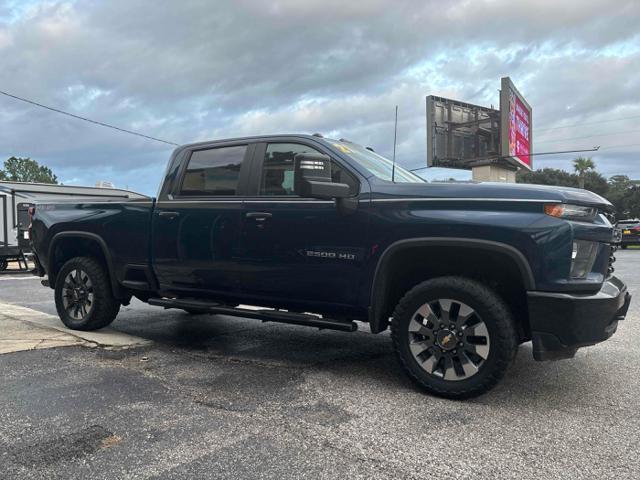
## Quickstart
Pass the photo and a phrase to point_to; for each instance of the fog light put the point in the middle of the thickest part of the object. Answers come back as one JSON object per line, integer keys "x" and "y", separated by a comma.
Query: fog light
{"x": 583, "y": 256}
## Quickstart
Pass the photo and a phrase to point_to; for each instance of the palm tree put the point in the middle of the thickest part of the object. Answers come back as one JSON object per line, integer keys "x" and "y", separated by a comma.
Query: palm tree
{"x": 582, "y": 165}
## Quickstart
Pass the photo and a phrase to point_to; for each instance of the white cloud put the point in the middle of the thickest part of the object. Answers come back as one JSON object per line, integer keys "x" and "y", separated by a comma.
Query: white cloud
{"x": 193, "y": 70}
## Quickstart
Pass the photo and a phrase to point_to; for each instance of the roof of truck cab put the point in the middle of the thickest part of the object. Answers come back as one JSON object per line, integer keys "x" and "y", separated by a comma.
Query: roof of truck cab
{"x": 27, "y": 189}
{"x": 305, "y": 136}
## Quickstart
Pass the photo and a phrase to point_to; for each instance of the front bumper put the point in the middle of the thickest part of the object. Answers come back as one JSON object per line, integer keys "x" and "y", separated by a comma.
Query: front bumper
{"x": 563, "y": 322}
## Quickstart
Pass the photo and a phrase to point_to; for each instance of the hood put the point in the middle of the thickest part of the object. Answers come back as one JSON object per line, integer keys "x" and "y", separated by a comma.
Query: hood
{"x": 488, "y": 190}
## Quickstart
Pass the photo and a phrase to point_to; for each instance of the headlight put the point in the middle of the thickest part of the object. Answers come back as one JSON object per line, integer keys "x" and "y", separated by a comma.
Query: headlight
{"x": 571, "y": 212}
{"x": 582, "y": 258}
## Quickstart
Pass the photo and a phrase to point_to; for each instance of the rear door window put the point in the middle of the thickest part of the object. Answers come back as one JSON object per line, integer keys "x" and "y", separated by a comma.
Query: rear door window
{"x": 214, "y": 171}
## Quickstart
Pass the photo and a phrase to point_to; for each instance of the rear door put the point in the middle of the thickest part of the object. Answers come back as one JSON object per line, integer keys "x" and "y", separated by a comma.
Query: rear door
{"x": 300, "y": 250}
{"x": 196, "y": 227}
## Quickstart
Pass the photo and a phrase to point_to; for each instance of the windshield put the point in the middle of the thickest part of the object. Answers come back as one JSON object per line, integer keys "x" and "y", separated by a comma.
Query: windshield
{"x": 378, "y": 165}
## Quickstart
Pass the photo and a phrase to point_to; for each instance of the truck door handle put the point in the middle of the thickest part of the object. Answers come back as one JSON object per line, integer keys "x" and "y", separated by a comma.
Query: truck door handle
{"x": 169, "y": 215}
{"x": 258, "y": 216}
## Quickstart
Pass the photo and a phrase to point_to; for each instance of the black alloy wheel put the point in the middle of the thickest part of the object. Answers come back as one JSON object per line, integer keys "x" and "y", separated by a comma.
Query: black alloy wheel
{"x": 454, "y": 336}
{"x": 83, "y": 295}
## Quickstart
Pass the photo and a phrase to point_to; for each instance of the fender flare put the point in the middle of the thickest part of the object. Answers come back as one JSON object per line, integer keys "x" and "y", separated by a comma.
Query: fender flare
{"x": 117, "y": 290}
{"x": 379, "y": 284}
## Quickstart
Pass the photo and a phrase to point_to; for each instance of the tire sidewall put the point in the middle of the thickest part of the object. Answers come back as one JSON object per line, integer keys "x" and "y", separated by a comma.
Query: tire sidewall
{"x": 84, "y": 265}
{"x": 494, "y": 321}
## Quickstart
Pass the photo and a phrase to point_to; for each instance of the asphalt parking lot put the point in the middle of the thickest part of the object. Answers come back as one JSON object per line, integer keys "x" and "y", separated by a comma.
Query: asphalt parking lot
{"x": 217, "y": 397}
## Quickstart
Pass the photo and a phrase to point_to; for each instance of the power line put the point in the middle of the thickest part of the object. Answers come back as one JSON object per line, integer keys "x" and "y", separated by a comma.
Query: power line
{"x": 589, "y": 136}
{"x": 608, "y": 147}
{"x": 585, "y": 124}
{"x": 623, "y": 146}
{"x": 102, "y": 124}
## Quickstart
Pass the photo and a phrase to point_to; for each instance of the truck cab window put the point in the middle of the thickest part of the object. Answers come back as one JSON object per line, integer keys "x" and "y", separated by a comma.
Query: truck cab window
{"x": 277, "y": 170}
{"x": 213, "y": 172}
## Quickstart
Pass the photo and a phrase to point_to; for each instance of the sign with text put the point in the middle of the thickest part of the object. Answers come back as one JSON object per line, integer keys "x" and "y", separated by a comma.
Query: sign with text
{"x": 516, "y": 132}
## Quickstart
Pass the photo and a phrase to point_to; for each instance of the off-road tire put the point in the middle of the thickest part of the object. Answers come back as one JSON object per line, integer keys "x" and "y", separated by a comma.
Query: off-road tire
{"x": 3, "y": 265}
{"x": 494, "y": 313}
{"x": 104, "y": 307}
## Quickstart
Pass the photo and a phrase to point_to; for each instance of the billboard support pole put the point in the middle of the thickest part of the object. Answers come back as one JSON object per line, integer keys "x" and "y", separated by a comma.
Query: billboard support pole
{"x": 493, "y": 173}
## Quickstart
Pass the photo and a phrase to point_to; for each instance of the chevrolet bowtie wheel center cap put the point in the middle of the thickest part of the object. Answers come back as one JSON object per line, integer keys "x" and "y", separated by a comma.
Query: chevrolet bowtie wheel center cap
{"x": 447, "y": 339}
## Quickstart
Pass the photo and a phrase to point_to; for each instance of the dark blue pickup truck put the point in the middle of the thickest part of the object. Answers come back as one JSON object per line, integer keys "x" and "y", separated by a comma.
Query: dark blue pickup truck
{"x": 320, "y": 232}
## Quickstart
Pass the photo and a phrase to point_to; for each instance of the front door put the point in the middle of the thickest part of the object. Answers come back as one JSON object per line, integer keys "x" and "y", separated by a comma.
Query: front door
{"x": 299, "y": 250}
{"x": 196, "y": 228}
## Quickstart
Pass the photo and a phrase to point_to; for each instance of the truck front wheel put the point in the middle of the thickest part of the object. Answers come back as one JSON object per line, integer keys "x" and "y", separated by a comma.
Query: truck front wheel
{"x": 83, "y": 295}
{"x": 454, "y": 336}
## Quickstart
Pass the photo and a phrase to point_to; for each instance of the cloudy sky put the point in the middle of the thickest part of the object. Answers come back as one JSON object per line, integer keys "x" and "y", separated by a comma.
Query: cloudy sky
{"x": 207, "y": 69}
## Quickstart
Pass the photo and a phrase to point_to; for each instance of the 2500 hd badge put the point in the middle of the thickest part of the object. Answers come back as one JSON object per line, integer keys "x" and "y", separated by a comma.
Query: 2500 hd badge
{"x": 330, "y": 255}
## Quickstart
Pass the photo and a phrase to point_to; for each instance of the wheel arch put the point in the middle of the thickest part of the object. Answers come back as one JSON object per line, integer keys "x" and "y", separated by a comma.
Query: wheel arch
{"x": 66, "y": 245}
{"x": 383, "y": 297}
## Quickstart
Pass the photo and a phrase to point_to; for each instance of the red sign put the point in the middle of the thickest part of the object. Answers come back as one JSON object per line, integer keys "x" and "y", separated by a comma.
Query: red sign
{"x": 519, "y": 131}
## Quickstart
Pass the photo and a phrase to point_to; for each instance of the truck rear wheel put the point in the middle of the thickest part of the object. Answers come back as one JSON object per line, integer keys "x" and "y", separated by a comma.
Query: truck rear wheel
{"x": 83, "y": 295}
{"x": 454, "y": 337}
{"x": 3, "y": 265}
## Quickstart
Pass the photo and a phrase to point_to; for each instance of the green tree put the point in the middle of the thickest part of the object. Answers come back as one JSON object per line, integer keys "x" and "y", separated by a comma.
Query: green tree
{"x": 597, "y": 183}
{"x": 621, "y": 191}
{"x": 18, "y": 169}
{"x": 593, "y": 180}
{"x": 582, "y": 165}
{"x": 623, "y": 194}
{"x": 548, "y": 176}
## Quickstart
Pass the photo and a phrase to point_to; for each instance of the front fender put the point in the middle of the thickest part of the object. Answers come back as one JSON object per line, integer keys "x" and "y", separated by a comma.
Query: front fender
{"x": 380, "y": 284}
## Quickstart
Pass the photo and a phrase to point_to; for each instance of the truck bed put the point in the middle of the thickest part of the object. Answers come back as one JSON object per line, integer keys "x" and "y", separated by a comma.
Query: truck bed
{"x": 125, "y": 226}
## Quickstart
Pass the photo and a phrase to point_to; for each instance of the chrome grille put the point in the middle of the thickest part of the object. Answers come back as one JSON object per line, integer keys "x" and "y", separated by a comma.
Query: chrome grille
{"x": 612, "y": 259}
{"x": 615, "y": 240}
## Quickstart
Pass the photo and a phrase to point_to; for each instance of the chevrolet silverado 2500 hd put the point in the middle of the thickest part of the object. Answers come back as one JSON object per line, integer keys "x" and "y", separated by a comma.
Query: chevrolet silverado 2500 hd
{"x": 317, "y": 232}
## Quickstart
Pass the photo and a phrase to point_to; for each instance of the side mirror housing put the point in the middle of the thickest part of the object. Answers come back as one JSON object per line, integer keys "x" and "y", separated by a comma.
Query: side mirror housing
{"x": 312, "y": 178}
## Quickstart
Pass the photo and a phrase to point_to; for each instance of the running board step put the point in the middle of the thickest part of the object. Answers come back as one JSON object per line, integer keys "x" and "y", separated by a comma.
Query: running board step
{"x": 135, "y": 285}
{"x": 265, "y": 315}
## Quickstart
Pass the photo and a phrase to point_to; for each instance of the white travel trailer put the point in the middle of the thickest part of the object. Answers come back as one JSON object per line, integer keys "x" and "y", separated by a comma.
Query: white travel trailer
{"x": 17, "y": 197}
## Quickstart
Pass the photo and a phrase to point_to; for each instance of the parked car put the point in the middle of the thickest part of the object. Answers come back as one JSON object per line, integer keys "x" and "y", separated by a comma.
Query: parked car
{"x": 630, "y": 232}
{"x": 322, "y": 232}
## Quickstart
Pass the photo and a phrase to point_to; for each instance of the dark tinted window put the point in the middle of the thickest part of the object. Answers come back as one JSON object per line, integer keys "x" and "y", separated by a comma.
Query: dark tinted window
{"x": 340, "y": 175}
{"x": 277, "y": 171}
{"x": 213, "y": 172}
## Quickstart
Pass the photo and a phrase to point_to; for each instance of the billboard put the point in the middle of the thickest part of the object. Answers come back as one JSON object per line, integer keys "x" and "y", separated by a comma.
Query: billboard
{"x": 515, "y": 126}
{"x": 459, "y": 134}
{"x": 463, "y": 135}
